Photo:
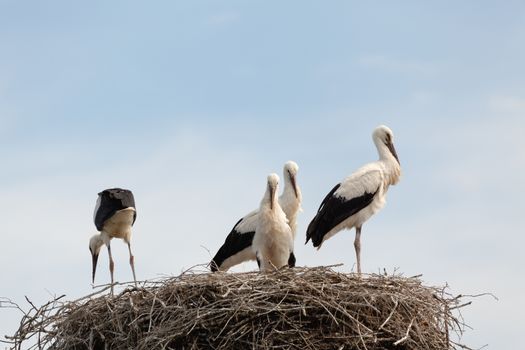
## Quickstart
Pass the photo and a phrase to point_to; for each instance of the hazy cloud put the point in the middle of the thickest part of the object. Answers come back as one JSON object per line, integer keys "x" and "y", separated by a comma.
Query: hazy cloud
{"x": 224, "y": 18}
{"x": 397, "y": 65}
{"x": 507, "y": 104}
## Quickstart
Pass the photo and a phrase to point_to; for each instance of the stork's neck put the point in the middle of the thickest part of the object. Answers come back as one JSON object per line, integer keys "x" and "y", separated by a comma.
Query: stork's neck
{"x": 269, "y": 201}
{"x": 288, "y": 188}
{"x": 288, "y": 200}
{"x": 391, "y": 165}
{"x": 383, "y": 151}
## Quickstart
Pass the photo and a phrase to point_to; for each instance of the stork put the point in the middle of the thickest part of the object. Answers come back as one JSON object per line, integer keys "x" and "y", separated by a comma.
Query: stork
{"x": 114, "y": 215}
{"x": 237, "y": 246}
{"x": 362, "y": 194}
{"x": 273, "y": 239}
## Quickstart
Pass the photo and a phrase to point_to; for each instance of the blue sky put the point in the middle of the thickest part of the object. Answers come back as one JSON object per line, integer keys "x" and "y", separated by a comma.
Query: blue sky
{"x": 192, "y": 104}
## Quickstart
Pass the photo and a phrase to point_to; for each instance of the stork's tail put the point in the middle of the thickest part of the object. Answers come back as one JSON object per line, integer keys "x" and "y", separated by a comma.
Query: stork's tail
{"x": 213, "y": 266}
{"x": 291, "y": 260}
{"x": 313, "y": 232}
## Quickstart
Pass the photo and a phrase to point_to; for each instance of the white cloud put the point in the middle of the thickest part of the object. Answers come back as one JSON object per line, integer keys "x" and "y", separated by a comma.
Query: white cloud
{"x": 476, "y": 156}
{"x": 224, "y": 18}
{"x": 395, "y": 65}
{"x": 507, "y": 104}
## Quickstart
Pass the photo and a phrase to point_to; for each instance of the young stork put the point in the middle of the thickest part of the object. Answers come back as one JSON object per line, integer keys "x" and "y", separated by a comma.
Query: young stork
{"x": 273, "y": 239}
{"x": 353, "y": 201}
{"x": 237, "y": 247}
{"x": 114, "y": 215}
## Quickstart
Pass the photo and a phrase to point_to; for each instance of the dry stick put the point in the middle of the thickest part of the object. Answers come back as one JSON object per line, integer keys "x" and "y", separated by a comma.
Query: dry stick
{"x": 460, "y": 306}
{"x": 406, "y": 335}
{"x": 391, "y": 313}
{"x": 151, "y": 312}
{"x": 361, "y": 336}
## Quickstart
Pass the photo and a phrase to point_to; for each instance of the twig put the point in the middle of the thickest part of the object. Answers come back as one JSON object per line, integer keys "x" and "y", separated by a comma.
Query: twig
{"x": 406, "y": 334}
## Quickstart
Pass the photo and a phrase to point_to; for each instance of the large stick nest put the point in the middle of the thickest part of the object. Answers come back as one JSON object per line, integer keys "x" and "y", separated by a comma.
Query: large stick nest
{"x": 300, "y": 308}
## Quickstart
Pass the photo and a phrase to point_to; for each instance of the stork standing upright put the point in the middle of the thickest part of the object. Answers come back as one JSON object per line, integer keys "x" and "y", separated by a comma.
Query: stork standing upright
{"x": 290, "y": 200}
{"x": 353, "y": 201}
{"x": 115, "y": 214}
{"x": 237, "y": 247}
{"x": 273, "y": 239}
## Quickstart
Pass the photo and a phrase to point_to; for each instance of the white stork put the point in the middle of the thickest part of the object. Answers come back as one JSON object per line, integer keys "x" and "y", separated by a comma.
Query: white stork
{"x": 237, "y": 247}
{"x": 273, "y": 239}
{"x": 114, "y": 215}
{"x": 353, "y": 201}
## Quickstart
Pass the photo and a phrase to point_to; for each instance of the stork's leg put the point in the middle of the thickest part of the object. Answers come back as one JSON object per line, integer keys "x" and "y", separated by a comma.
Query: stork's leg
{"x": 132, "y": 263}
{"x": 111, "y": 267}
{"x": 357, "y": 246}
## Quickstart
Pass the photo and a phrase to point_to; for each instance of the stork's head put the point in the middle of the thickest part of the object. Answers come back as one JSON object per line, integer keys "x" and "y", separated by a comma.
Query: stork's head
{"x": 383, "y": 136}
{"x": 95, "y": 243}
{"x": 290, "y": 172}
{"x": 273, "y": 183}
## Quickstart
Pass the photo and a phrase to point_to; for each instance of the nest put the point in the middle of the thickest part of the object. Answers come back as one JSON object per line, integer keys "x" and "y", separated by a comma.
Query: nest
{"x": 300, "y": 308}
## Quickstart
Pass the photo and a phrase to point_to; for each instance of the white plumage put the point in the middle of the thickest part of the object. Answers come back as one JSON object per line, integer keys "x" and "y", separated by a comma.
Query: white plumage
{"x": 359, "y": 196}
{"x": 273, "y": 240}
{"x": 291, "y": 198}
{"x": 237, "y": 247}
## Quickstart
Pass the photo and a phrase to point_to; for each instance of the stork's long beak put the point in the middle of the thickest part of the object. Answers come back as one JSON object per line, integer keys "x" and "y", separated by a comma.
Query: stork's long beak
{"x": 95, "y": 259}
{"x": 392, "y": 149}
{"x": 272, "y": 195}
{"x": 294, "y": 184}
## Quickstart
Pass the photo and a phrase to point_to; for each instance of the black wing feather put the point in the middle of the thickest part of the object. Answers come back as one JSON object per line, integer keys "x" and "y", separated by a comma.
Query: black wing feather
{"x": 111, "y": 201}
{"x": 311, "y": 227}
{"x": 332, "y": 191}
{"x": 235, "y": 242}
{"x": 332, "y": 212}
